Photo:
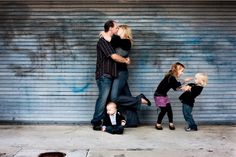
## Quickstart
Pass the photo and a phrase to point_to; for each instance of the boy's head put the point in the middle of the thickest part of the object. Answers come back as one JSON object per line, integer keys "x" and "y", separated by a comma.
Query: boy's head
{"x": 201, "y": 79}
{"x": 111, "y": 108}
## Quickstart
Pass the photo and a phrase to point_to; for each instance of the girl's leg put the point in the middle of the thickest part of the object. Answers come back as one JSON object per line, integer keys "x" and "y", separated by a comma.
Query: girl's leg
{"x": 161, "y": 115}
{"x": 170, "y": 117}
{"x": 169, "y": 113}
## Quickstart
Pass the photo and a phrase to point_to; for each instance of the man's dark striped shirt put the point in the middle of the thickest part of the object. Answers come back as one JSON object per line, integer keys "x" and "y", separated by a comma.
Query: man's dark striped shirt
{"x": 105, "y": 64}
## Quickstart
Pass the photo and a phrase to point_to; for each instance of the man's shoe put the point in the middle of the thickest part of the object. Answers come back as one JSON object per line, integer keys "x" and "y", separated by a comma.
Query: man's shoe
{"x": 145, "y": 98}
{"x": 97, "y": 128}
{"x": 190, "y": 129}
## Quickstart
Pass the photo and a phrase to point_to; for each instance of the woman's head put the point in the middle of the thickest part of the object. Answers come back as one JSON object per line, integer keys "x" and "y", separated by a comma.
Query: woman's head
{"x": 177, "y": 69}
{"x": 201, "y": 79}
{"x": 125, "y": 32}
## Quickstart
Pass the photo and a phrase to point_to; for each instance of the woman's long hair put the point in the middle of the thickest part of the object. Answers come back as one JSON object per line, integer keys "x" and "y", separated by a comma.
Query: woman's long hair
{"x": 127, "y": 32}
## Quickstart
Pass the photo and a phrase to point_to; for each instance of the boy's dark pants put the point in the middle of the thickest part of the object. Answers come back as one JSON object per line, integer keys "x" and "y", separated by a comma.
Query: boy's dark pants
{"x": 116, "y": 129}
{"x": 187, "y": 112}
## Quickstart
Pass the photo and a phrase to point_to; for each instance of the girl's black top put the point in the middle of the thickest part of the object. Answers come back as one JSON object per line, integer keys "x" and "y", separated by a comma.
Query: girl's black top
{"x": 166, "y": 84}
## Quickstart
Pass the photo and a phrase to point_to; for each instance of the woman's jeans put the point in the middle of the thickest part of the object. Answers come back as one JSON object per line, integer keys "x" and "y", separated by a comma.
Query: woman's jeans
{"x": 121, "y": 94}
{"x": 104, "y": 86}
{"x": 187, "y": 112}
{"x": 120, "y": 85}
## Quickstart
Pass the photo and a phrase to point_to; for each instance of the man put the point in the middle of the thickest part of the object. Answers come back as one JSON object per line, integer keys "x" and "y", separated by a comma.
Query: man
{"x": 106, "y": 70}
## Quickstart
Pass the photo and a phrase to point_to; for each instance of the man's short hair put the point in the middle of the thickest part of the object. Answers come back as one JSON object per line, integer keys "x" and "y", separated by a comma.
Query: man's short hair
{"x": 108, "y": 24}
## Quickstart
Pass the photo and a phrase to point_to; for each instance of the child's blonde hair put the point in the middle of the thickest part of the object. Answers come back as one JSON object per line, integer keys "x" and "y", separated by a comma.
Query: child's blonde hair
{"x": 127, "y": 32}
{"x": 175, "y": 69}
{"x": 203, "y": 78}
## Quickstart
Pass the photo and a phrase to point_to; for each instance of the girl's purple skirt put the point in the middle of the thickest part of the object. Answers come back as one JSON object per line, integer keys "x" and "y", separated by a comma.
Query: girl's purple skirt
{"x": 161, "y": 101}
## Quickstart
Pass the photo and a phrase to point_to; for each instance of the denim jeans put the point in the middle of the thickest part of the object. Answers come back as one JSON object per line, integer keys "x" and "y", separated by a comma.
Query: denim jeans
{"x": 104, "y": 86}
{"x": 121, "y": 94}
{"x": 120, "y": 85}
{"x": 187, "y": 112}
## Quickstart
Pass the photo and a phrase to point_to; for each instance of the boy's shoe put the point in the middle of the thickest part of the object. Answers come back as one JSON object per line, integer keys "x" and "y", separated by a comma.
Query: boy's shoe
{"x": 190, "y": 129}
{"x": 97, "y": 127}
{"x": 171, "y": 127}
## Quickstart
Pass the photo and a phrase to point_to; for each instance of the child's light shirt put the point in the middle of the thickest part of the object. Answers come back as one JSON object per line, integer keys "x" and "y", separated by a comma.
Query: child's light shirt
{"x": 113, "y": 119}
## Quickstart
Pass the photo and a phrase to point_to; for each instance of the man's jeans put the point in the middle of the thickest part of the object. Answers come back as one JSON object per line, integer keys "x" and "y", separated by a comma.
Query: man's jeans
{"x": 104, "y": 86}
{"x": 187, "y": 112}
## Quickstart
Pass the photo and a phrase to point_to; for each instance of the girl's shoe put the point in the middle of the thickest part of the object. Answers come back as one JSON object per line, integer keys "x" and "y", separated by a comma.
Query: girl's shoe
{"x": 171, "y": 127}
{"x": 158, "y": 127}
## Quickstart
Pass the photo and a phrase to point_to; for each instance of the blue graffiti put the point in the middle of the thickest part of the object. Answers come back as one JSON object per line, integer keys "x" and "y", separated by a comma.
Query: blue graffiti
{"x": 80, "y": 89}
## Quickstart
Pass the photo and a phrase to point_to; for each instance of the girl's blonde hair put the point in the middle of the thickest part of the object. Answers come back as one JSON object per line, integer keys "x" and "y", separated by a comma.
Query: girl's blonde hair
{"x": 175, "y": 69}
{"x": 203, "y": 79}
{"x": 127, "y": 32}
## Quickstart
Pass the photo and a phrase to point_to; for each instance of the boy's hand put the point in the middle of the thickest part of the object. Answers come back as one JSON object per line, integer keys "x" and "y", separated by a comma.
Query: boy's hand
{"x": 186, "y": 88}
{"x": 123, "y": 122}
{"x": 103, "y": 128}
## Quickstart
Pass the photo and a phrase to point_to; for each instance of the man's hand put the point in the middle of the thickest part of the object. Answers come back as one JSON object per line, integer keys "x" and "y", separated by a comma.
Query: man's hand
{"x": 127, "y": 61}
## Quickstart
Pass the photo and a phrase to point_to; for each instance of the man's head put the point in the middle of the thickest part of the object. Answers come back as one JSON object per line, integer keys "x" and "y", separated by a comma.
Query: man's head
{"x": 111, "y": 108}
{"x": 111, "y": 26}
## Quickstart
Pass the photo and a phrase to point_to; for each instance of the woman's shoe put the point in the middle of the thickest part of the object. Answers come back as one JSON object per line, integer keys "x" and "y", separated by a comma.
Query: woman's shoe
{"x": 171, "y": 127}
{"x": 145, "y": 98}
{"x": 158, "y": 127}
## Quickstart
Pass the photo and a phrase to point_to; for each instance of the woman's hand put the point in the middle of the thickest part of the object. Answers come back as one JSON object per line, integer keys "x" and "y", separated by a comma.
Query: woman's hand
{"x": 105, "y": 36}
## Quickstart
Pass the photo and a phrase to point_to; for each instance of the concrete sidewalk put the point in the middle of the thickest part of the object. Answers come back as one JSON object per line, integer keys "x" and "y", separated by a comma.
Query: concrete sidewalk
{"x": 82, "y": 141}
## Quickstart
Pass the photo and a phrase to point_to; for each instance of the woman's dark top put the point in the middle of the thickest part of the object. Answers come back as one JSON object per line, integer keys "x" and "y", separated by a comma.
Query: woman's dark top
{"x": 166, "y": 84}
{"x": 188, "y": 97}
{"x": 122, "y": 45}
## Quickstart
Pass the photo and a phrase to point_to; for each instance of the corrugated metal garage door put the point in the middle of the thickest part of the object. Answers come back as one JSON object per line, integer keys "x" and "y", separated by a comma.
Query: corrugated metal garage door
{"x": 48, "y": 56}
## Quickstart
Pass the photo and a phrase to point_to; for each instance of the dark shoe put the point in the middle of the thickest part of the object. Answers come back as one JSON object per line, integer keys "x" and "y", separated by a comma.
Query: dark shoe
{"x": 145, "y": 98}
{"x": 97, "y": 128}
{"x": 190, "y": 129}
{"x": 172, "y": 127}
{"x": 158, "y": 127}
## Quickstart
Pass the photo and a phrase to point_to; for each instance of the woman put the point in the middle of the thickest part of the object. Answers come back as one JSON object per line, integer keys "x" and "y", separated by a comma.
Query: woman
{"x": 120, "y": 93}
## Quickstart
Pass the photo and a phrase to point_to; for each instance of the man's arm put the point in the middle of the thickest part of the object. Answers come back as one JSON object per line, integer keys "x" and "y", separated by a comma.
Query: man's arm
{"x": 120, "y": 59}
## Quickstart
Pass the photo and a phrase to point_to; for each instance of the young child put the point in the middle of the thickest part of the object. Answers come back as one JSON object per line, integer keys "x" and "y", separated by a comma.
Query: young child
{"x": 192, "y": 90}
{"x": 160, "y": 95}
{"x": 113, "y": 122}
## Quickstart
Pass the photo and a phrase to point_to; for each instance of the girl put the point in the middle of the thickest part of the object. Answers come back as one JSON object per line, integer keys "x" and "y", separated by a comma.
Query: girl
{"x": 160, "y": 95}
